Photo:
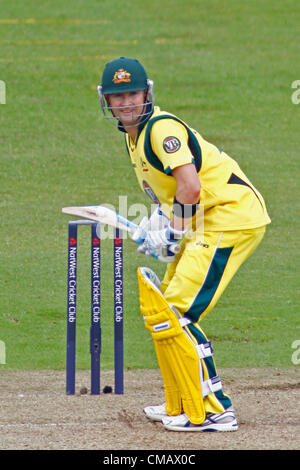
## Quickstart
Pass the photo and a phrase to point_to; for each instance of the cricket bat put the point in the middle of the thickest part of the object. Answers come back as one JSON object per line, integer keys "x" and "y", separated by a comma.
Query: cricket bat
{"x": 107, "y": 216}
{"x": 103, "y": 215}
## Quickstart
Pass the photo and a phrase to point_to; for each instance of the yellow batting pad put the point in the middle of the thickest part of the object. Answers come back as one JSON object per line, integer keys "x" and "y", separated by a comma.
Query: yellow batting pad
{"x": 172, "y": 392}
{"x": 176, "y": 353}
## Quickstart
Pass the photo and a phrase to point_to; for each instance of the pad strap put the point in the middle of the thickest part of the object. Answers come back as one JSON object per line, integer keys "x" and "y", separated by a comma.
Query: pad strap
{"x": 204, "y": 350}
{"x": 184, "y": 321}
{"x": 211, "y": 386}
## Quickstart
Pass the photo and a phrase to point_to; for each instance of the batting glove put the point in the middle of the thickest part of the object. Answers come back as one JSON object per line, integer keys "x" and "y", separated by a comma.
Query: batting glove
{"x": 141, "y": 232}
{"x": 162, "y": 244}
{"x": 157, "y": 221}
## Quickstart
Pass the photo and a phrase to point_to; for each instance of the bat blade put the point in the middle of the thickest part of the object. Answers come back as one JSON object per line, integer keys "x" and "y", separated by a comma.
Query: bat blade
{"x": 103, "y": 215}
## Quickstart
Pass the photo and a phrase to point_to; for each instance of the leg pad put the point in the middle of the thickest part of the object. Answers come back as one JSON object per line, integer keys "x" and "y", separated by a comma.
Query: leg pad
{"x": 177, "y": 354}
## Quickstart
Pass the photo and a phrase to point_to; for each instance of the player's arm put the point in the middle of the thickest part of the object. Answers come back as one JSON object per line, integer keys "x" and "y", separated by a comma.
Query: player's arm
{"x": 162, "y": 243}
{"x": 187, "y": 195}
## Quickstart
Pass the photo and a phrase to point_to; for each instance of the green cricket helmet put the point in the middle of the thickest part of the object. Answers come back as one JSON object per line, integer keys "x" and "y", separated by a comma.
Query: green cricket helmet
{"x": 125, "y": 75}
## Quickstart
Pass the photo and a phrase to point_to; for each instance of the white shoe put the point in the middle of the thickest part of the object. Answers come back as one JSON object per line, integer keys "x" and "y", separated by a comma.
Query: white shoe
{"x": 214, "y": 422}
{"x": 156, "y": 412}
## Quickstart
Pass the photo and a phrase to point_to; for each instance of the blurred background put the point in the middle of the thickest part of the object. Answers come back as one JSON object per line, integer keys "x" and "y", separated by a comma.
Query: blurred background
{"x": 224, "y": 67}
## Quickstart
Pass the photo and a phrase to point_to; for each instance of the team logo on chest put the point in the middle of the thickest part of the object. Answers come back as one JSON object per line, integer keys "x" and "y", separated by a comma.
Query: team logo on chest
{"x": 171, "y": 144}
{"x": 150, "y": 193}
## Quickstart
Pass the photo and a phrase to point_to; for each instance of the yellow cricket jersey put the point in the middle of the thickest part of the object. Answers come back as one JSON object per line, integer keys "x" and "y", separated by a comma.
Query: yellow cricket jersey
{"x": 165, "y": 142}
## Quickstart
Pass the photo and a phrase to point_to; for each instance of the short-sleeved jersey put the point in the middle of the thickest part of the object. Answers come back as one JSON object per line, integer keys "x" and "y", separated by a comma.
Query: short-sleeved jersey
{"x": 165, "y": 142}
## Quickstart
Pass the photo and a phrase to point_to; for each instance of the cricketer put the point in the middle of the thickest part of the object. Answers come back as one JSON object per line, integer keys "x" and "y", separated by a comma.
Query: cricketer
{"x": 181, "y": 172}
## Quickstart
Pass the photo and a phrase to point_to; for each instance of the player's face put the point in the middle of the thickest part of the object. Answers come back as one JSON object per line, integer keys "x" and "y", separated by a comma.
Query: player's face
{"x": 128, "y": 107}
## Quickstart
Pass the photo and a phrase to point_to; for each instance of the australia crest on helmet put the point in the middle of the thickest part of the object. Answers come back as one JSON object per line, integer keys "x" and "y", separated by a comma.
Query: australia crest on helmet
{"x": 122, "y": 76}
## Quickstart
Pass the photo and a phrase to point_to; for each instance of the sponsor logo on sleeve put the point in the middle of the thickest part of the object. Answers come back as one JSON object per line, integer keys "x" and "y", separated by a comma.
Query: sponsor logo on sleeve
{"x": 171, "y": 144}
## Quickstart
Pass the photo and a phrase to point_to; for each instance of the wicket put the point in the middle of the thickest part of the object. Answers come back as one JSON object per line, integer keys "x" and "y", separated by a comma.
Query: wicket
{"x": 95, "y": 329}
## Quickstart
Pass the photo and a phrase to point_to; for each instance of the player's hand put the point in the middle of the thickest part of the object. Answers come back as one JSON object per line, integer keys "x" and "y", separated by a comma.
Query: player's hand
{"x": 162, "y": 244}
{"x": 140, "y": 234}
{"x": 157, "y": 221}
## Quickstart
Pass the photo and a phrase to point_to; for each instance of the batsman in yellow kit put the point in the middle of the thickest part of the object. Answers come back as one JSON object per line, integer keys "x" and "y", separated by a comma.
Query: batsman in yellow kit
{"x": 209, "y": 219}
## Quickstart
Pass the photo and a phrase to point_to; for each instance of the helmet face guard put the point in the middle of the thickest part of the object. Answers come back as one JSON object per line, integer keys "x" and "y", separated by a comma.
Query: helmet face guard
{"x": 148, "y": 105}
{"x": 125, "y": 75}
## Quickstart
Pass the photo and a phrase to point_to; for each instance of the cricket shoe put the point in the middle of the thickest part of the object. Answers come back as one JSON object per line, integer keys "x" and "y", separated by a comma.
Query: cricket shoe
{"x": 214, "y": 422}
{"x": 156, "y": 412}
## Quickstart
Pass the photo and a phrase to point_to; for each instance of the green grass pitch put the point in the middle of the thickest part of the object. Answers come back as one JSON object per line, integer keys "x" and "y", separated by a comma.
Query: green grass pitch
{"x": 226, "y": 68}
